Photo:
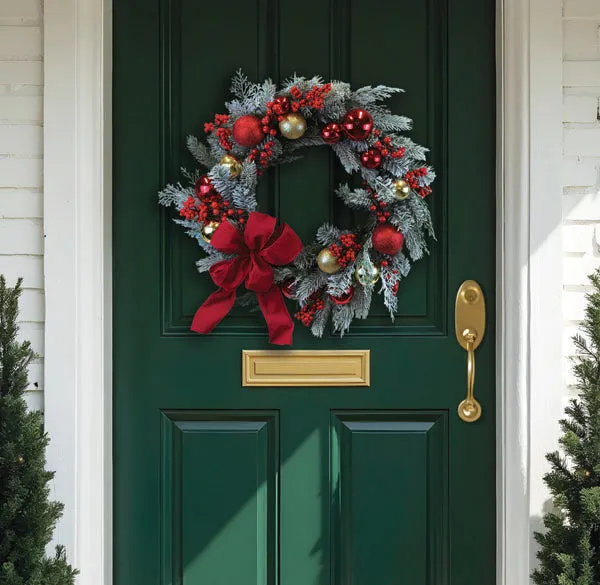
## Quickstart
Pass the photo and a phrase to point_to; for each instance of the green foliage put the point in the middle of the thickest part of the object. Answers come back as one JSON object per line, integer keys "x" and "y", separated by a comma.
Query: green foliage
{"x": 570, "y": 546}
{"x": 27, "y": 517}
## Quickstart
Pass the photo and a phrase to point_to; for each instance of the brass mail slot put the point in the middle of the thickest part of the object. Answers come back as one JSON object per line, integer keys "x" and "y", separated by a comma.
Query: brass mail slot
{"x": 305, "y": 368}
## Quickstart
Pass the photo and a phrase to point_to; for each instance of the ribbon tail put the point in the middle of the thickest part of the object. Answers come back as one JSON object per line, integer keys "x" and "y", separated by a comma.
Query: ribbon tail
{"x": 279, "y": 322}
{"x": 213, "y": 310}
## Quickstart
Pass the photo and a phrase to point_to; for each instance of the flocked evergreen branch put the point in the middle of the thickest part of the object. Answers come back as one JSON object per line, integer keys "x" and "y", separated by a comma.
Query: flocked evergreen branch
{"x": 201, "y": 152}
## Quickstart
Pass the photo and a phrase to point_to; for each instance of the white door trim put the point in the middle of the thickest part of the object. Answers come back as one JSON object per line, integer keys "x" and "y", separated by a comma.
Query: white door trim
{"x": 78, "y": 277}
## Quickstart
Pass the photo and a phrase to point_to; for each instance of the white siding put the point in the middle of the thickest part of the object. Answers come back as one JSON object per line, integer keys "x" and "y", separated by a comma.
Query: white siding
{"x": 21, "y": 145}
{"x": 581, "y": 176}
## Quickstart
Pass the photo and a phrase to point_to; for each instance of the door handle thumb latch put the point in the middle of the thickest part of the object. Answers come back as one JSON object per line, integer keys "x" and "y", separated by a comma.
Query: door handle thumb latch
{"x": 470, "y": 329}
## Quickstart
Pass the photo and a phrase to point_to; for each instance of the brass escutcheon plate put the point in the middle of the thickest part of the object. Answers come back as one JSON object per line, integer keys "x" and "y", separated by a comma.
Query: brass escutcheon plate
{"x": 470, "y": 313}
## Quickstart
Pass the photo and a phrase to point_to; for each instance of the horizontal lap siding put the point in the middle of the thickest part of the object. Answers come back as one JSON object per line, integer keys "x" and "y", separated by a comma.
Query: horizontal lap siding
{"x": 21, "y": 146}
{"x": 581, "y": 172}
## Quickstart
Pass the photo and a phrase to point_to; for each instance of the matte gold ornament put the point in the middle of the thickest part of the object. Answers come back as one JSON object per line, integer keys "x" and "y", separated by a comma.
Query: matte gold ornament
{"x": 328, "y": 262}
{"x": 367, "y": 276}
{"x": 208, "y": 230}
{"x": 233, "y": 164}
{"x": 293, "y": 126}
{"x": 401, "y": 189}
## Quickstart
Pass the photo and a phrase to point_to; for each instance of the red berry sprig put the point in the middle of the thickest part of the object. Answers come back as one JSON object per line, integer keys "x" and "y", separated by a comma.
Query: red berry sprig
{"x": 220, "y": 120}
{"x": 189, "y": 210}
{"x": 222, "y": 133}
{"x": 210, "y": 208}
{"x": 413, "y": 179}
{"x": 313, "y": 98}
{"x": 262, "y": 154}
{"x": 386, "y": 147}
{"x": 346, "y": 250}
{"x": 209, "y": 205}
{"x": 379, "y": 208}
{"x": 307, "y": 313}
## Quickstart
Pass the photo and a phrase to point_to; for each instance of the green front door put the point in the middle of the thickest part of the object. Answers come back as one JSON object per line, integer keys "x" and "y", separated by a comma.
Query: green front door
{"x": 217, "y": 484}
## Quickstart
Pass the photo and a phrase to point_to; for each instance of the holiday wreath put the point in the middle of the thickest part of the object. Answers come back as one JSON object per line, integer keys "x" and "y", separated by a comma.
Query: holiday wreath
{"x": 336, "y": 275}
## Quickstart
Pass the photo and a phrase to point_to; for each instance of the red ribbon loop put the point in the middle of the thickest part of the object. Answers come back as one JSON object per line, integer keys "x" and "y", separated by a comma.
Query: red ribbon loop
{"x": 260, "y": 247}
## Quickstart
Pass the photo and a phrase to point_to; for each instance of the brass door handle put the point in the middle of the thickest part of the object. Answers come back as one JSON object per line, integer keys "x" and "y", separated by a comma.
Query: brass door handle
{"x": 470, "y": 329}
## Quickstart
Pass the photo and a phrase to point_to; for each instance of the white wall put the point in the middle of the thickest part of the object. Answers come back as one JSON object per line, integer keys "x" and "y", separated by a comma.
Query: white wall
{"x": 581, "y": 147}
{"x": 21, "y": 233}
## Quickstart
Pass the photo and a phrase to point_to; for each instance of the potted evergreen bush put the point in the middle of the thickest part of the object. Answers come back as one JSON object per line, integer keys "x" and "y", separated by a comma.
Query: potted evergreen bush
{"x": 27, "y": 516}
{"x": 570, "y": 547}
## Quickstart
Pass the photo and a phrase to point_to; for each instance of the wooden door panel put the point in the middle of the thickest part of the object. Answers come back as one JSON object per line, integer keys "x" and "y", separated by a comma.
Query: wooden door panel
{"x": 340, "y": 47}
{"x": 390, "y": 497}
{"x": 219, "y": 497}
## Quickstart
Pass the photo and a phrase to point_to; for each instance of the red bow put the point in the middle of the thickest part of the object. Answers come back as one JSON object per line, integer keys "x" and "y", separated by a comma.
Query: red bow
{"x": 258, "y": 248}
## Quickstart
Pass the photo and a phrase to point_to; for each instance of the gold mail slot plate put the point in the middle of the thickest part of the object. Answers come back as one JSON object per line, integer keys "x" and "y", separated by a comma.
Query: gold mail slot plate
{"x": 305, "y": 367}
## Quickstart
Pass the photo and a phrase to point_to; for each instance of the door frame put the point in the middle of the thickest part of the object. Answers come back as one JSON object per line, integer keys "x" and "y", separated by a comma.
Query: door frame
{"x": 78, "y": 273}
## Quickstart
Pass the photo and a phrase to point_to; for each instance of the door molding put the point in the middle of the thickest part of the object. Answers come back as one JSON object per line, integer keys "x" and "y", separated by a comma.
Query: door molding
{"x": 78, "y": 272}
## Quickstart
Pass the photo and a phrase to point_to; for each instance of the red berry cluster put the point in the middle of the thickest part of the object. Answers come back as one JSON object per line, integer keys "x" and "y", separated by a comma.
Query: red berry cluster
{"x": 313, "y": 98}
{"x": 282, "y": 105}
{"x": 385, "y": 146}
{"x": 306, "y": 314}
{"x": 268, "y": 122}
{"x": 262, "y": 154}
{"x": 189, "y": 210}
{"x": 388, "y": 276}
{"x": 378, "y": 207}
{"x": 345, "y": 252}
{"x": 412, "y": 178}
{"x": 208, "y": 205}
{"x": 222, "y": 133}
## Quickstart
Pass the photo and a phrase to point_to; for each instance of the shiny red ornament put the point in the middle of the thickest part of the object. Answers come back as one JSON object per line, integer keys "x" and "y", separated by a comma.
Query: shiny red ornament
{"x": 287, "y": 289}
{"x": 371, "y": 159}
{"x": 387, "y": 239}
{"x": 358, "y": 124}
{"x": 332, "y": 133}
{"x": 343, "y": 299}
{"x": 247, "y": 130}
{"x": 203, "y": 186}
{"x": 281, "y": 105}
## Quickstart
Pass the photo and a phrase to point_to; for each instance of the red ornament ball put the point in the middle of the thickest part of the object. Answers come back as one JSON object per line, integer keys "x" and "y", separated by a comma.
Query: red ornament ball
{"x": 203, "y": 186}
{"x": 247, "y": 130}
{"x": 371, "y": 159}
{"x": 358, "y": 124}
{"x": 343, "y": 299}
{"x": 281, "y": 105}
{"x": 332, "y": 133}
{"x": 287, "y": 289}
{"x": 387, "y": 239}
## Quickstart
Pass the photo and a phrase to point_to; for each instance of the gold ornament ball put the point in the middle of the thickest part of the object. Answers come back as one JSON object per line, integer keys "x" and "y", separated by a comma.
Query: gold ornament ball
{"x": 587, "y": 473}
{"x": 208, "y": 230}
{"x": 401, "y": 189}
{"x": 367, "y": 276}
{"x": 293, "y": 126}
{"x": 20, "y": 460}
{"x": 233, "y": 164}
{"x": 327, "y": 262}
